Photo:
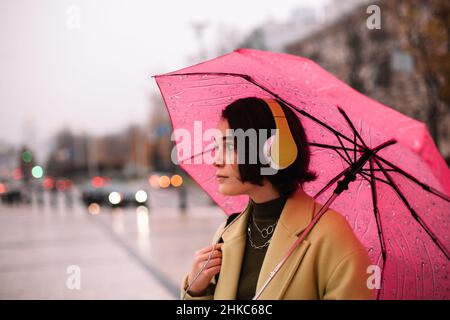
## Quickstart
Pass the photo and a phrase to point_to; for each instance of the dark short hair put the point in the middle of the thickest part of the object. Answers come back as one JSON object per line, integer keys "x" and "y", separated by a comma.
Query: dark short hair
{"x": 247, "y": 113}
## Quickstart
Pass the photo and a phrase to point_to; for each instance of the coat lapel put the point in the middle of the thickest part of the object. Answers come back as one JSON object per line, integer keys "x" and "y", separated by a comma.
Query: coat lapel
{"x": 294, "y": 218}
{"x": 233, "y": 248}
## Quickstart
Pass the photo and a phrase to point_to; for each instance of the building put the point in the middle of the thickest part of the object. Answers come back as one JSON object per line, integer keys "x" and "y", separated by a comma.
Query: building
{"x": 404, "y": 64}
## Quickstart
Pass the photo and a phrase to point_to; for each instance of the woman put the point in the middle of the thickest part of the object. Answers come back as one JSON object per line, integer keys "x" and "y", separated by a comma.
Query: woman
{"x": 329, "y": 264}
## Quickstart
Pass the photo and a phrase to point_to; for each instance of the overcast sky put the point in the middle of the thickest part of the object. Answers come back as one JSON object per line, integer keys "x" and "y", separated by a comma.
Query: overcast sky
{"x": 96, "y": 78}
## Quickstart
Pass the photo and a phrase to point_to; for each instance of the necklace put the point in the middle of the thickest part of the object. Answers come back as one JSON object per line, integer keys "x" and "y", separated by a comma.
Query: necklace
{"x": 265, "y": 232}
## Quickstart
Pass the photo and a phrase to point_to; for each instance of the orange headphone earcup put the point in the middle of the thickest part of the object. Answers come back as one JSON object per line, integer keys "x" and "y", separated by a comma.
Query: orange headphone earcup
{"x": 280, "y": 149}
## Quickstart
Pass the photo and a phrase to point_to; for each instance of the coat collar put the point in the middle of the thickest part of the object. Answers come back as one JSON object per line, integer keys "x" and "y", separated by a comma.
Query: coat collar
{"x": 294, "y": 218}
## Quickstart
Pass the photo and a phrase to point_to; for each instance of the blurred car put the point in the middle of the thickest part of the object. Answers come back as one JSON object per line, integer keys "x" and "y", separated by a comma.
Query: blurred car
{"x": 114, "y": 195}
{"x": 14, "y": 192}
{"x": 10, "y": 192}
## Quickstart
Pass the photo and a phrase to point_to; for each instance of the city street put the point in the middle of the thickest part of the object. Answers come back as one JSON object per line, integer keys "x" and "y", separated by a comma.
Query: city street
{"x": 121, "y": 253}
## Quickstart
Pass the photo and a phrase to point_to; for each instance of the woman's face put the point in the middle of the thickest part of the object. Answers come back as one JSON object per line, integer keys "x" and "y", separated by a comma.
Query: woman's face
{"x": 226, "y": 163}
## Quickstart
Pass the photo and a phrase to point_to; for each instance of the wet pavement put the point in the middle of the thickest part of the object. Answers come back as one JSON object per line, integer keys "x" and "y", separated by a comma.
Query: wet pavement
{"x": 120, "y": 253}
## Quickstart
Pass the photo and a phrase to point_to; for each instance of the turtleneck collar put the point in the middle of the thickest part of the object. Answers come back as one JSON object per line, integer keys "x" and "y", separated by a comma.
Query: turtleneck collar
{"x": 269, "y": 210}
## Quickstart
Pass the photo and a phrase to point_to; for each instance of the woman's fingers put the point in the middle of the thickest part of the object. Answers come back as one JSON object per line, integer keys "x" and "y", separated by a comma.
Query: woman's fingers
{"x": 211, "y": 263}
{"x": 209, "y": 248}
{"x": 212, "y": 271}
{"x": 205, "y": 256}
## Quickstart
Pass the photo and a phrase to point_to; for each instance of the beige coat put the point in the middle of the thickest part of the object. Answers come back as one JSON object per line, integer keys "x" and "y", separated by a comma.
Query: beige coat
{"x": 329, "y": 264}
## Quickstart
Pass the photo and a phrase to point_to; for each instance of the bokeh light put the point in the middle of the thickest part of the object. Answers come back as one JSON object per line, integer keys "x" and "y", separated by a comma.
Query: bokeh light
{"x": 153, "y": 180}
{"x": 17, "y": 174}
{"x": 47, "y": 183}
{"x": 164, "y": 182}
{"x": 97, "y": 182}
{"x": 2, "y": 188}
{"x": 176, "y": 180}
{"x": 94, "y": 208}
{"x": 27, "y": 156}
{"x": 114, "y": 198}
{"x": 141, "y": 196}
{"x": 37, "y": 172}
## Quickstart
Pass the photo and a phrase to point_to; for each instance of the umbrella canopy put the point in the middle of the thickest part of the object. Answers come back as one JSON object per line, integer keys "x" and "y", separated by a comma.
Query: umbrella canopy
{"x": 398, "y": 205}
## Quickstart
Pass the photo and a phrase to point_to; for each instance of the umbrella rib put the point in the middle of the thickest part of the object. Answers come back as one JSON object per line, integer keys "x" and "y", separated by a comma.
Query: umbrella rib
{"x": 387, "y": 170}
{"x": 348, "y": 161}
{"x": 342, "y": 145}
{"x": 377, "y": 219}
{"x": 365, "y": 177}
{"x": 413, "y": 213}
{"x": 329, "y": 146}
{"x": 376, "y": 178}
{"x": 350, "y": 123}
{"x": 407, "y": 175}
{"x": 195, "y": 155}
{"x": 304, "y": 113}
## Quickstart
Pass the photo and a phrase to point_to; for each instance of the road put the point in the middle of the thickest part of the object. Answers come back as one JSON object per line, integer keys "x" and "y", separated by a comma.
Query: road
{"x": 120, "y": 253}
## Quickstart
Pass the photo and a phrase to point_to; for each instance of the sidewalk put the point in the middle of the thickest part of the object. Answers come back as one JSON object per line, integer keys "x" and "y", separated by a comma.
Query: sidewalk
{"x": 122, "y": 254}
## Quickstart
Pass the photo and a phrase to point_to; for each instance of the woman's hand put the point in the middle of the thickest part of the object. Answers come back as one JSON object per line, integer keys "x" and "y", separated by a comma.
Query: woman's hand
{"x": 213, "y": 267}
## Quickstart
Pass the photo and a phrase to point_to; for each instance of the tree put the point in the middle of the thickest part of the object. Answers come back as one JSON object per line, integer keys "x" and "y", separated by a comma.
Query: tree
{"x": 425, "y": 26}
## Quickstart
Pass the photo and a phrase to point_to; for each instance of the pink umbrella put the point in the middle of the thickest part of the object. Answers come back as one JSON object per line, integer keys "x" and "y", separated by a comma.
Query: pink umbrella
{"x": 398, "y": 203}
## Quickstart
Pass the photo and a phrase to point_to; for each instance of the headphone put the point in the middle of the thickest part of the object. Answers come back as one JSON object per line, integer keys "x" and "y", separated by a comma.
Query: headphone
{"x": 280, "y": 149}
